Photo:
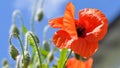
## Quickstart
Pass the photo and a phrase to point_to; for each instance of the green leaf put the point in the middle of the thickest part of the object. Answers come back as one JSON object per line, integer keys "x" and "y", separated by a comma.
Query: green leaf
{"x": 32, "y": 43}
{"x": 45, "y": 66}
{"x": 44, "y": 52}
{"x": 62, "y": 58}
{"x": 24, "y": 29}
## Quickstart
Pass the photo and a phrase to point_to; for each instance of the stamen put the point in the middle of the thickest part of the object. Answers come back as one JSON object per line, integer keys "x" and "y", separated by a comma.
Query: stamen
{"x": 80, "y": 31}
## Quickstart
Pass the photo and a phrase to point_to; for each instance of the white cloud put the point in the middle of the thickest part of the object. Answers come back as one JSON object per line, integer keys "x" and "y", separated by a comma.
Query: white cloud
{"x": 50, "y": 8}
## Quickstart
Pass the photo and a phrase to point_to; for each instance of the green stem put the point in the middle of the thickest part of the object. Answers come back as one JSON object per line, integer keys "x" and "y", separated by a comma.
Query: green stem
{"x": 67, "y": 58}
{"x": 45, "y": 31}
{"x": 15, "y": 14}
{"x": 21, "y": 45}
{"x": 33, "y": 16}
{"x": 36, "y": 44}
{"x": 26, "y": 42}
{"x": 10, "y": 38}
{"x": 42, "y": 2}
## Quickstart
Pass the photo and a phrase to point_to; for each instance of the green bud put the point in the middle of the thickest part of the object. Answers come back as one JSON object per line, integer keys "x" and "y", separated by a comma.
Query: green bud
{"x": 14, "y": 30}
{"x": 46, "y": 45}
{"x": 39, "y": 15}
{"x": 13, "y": 52}
{"x": 5, "y": 63}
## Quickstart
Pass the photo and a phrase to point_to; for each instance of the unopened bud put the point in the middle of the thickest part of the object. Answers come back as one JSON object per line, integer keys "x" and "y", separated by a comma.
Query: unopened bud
{"x": 46, "y": 45}
{"x": 14, "y": 30}
{"x": 5, "y": 64}
{"x": 13, "y": 52}
{"x": 39, "y": 15}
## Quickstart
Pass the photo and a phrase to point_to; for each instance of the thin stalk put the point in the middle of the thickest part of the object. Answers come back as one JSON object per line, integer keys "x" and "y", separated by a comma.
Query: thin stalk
{"x": 10, "y": 38}
{"x": 15, "y": 14}
{"x": 21, "y": 45}
{"x": 67, "y": 58}
{"x": 33, "y": 16}
{"x": 36, "y": 44}
{"x": 42, "y": 2}
{"x": 45, "y": 31}
{"x": 26, "y": 42}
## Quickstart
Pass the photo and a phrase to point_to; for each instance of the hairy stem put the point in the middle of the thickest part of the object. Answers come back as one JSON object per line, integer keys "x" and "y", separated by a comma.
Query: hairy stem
{"x": 22, "y": 48}
{"x": 36, "y": 44}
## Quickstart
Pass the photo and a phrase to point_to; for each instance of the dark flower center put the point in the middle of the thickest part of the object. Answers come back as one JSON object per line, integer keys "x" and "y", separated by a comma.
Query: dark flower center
{"x": 80, "y": 31}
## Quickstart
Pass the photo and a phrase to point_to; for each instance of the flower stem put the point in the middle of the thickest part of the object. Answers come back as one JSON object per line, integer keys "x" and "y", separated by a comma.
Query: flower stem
{"x": 67, "y": 58}
{"x": 10, "y": 38}
{"x": 33, "y": 16}
{"x": 36, "y": 44}
{"x": 21, "y": 45}
{"x": 26, "y": 42}
{"x": 41, "y": 5}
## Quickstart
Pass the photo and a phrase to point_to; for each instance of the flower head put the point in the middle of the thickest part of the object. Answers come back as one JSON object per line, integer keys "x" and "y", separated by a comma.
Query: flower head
{"x": 80, "y": 35}
{"x": 75, "y": 63}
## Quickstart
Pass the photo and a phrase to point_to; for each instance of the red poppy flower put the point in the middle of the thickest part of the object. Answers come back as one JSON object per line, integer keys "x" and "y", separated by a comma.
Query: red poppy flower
{"x": 80, "y": 35}
{"x": 74, "y": 63}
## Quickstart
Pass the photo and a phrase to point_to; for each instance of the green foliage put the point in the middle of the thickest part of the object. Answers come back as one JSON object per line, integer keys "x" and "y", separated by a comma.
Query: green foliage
{"x": 24, "y": 29}
{"x": 62, "y": 58}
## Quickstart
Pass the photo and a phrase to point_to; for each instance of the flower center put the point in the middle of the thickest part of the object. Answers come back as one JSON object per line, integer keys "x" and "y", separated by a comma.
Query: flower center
{"x": 80, "y": 31}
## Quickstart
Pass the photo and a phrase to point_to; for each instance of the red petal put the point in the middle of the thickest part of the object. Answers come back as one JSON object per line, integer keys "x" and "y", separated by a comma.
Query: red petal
{"x": 94, "y": 21}
{"x": 69, "y": 22}
{"x": 75, "y": 63}
{"x": 88, "y": 63}
{"x": 61, "y": 39}
{"x": 84, "y": 47}
{"x": 56, "y": 22}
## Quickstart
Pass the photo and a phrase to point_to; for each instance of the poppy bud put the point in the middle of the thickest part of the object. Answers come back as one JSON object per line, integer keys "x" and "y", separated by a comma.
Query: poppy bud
{"x": 46, "y": 45}
{"x": 13, "y": 52}
{"x": 5, "y": 64}
{"x": 39, "y": 14}
{"x": 14, "y": 30}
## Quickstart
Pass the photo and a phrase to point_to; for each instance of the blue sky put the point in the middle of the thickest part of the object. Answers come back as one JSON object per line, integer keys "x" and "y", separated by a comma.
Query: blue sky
{"x": 52, "y": 8}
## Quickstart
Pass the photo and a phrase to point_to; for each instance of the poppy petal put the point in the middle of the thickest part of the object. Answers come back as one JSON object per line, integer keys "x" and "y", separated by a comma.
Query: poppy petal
{"x": 94, "y": 22}
{"x": 84, "y": 47}
{"x": 75, "y": 63}
{"x": 61, "y": 39}
{"x": 68, "y": 19}
{"x": 88, "y": 63}
{"x": 56, "y": 22}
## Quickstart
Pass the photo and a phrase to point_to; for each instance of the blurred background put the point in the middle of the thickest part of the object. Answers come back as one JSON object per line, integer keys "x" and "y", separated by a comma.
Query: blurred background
{"x": 108, "y": 55}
